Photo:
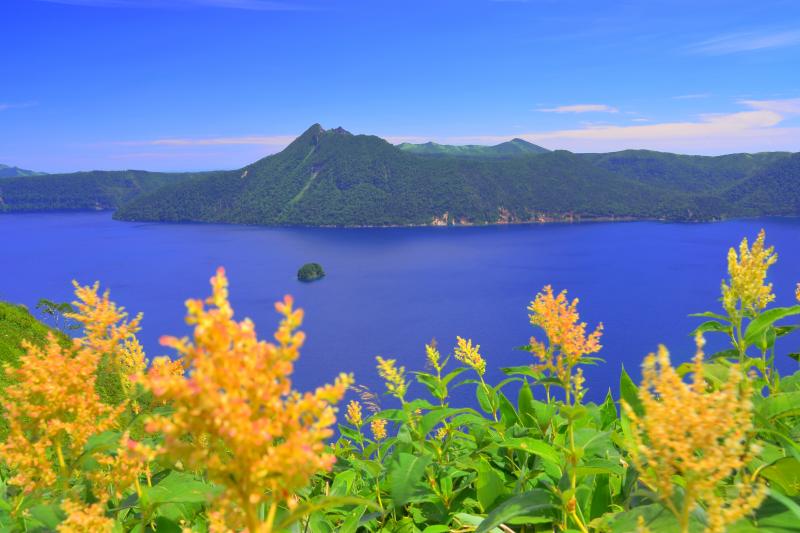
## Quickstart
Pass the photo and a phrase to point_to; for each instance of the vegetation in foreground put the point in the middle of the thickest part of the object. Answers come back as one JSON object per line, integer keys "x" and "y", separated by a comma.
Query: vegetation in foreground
{"x": 218, "y": 439}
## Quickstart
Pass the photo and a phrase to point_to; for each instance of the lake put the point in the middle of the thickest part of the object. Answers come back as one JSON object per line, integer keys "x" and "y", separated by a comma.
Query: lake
{"x": 388, "y": 291}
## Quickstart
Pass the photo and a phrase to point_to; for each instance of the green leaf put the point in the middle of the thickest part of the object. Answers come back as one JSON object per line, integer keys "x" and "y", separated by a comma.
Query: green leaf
{"x": 779, "y": 405}
{"x": 484, "y": 398}
{"x": 320, "y": 503}
{"x": 527, "y": 413}
{"x": 785, "y": 473}
{"x": 601, "y": 497}
{"x": 507, "y": 412}
{"x": 536, "y": 501}
{"x": 178, "y": 487}
{"x": 488, "y": 485}
{"x": 534, "y": 447}
{"x": 608, "y": 412}
{"x": 709, "y": 314}
{"x": 405, "y": 474}
{"x": 711, "y": 325}
{"x": 47, "y": 515}
{"x": 435, "y": 416}
{"x": 759, "y": 325}
{"x": 629, "y": 393}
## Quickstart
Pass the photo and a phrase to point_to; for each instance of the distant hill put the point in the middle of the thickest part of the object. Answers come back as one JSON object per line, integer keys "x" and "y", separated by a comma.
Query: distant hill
{"x": 14, "y": 172}
{"x": 691, "y": 173}
{"x": 334, "y": 178}
{"x": 512, "y": 148}
{"x": 95, "y": 190}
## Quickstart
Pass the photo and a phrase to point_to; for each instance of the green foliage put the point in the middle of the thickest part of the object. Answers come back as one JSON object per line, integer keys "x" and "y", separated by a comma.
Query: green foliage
{"x": 526, "y": 455}
{"x": 95, "y": 190}
{"x": 310, "y": 272}
{"x": 13, "y": 172}
{"x": 333, "y": 178}
{"x": 512, "y": 148}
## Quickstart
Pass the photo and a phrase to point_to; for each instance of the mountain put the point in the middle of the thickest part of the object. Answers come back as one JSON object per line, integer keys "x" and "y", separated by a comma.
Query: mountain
{"x": 691, "y": 173}
{"x": 334, "y": 178}
{"x": 13, "y": 172}
{"x": 95, "y": 190}
{"x": 775, "y": 190}
{"x": 512, "y": 148}
{"x": 331, "y": 177}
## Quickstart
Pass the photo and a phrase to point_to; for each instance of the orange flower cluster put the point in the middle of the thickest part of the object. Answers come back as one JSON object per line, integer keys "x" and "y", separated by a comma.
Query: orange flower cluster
{"x": 748, "y": 273}
{"x": 108, "y": 332}
{"x": 568, "y": 341}
{"x": 236, "y": 415}
{"x": 52, "y": 409}
{"x": 82, "y": 518}
{"x": 698, "y": 435}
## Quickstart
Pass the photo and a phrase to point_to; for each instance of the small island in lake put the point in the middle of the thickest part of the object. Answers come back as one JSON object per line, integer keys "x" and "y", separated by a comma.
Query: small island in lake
{"x": 310, "y": 272}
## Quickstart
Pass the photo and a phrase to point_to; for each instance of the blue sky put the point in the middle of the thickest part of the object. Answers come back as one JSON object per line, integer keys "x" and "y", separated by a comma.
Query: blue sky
{"x": 205, "y": 84}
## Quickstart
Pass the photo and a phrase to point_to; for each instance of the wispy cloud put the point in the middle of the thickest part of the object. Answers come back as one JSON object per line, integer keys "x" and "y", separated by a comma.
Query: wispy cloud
{"x": 580, "y": 108}
{"x": 252, "y": 5}
{"x": 788, "y": 106}
{"x": 4, "y": 106}
{"x": 695, "y": 96}
{"x": 745, "y": 42}
{"x": 253, "y": 140}
{"x": 757, "y": 128}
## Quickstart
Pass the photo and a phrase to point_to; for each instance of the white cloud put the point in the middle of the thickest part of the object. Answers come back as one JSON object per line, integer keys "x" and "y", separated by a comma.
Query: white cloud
{"x": 745, "y": 42}
{"x": 580, "y": 108}
{"x": 255, "y": 140}
{"x": 691, "y": 96}
{"x": 755, "y": 129}
{"x": 252, "y": 5}
{"x": 789, "y": 106}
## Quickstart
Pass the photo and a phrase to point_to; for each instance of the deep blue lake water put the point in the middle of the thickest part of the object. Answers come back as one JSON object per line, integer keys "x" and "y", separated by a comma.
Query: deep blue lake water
{"x": 390, "y": 290}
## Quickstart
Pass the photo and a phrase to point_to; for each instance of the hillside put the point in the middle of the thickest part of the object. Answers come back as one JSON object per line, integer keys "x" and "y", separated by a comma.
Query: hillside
{"x": 95, "y": 190}
{"x": 691, "y": 173}
{"x": 775, "y": 190}
{"x": 512, "y": 148}
{"x": 331, "y": 177}
{"x": 14, "y": 172}
{"x": 334, "y": 178}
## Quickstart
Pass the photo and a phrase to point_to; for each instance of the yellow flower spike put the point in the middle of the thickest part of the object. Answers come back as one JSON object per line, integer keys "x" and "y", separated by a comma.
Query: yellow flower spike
{"x": 697, "y": 434}
{"x": 378, "y": 428}
{"x": 433, "y": 356}
{"x": 353, "y": 416}
{"x": 797, "y": 292}
{"x": 393, "y": 375}
{"x": 748, "y": 272}
{"x": 263, "y": 440}
{"x": 470, "y": 355}
{"x": 52, "y": 409}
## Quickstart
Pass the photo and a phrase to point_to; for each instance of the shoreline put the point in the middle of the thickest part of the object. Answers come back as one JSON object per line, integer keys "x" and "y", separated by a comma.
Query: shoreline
{"x": 541, "y": 221}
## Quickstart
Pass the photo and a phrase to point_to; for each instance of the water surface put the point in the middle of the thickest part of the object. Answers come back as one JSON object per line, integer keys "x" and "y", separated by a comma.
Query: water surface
{"x": 390, "y": 290}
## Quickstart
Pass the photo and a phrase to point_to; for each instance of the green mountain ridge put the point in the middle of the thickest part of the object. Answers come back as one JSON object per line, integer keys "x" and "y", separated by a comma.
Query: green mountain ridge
{"x": 334, "y": 178}
{"x": 512, "y": 148}
{"x": 14, "y": 172}
{"x": 82, "y": 191}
